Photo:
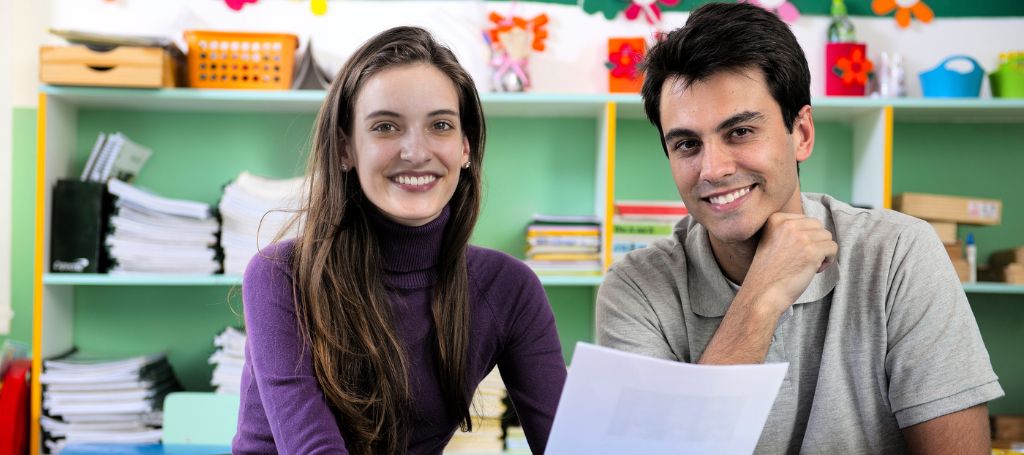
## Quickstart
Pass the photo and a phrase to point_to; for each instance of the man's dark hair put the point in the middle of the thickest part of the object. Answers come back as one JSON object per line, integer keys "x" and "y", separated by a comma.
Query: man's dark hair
{"x": 729, "y": 37}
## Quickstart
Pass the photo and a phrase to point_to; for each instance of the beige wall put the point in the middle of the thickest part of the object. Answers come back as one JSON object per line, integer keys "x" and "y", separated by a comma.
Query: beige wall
{"x": 22, "y": 28}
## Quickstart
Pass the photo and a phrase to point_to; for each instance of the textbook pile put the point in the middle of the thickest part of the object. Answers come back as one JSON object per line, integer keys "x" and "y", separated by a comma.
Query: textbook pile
{"x": 153, "y": 234}
{"x": 254, "y": 210}
{"x": 228, "y": 361}
{"x": 564, "y": 245}
{"x": 639, "y": 223}
{"x": 487, "y": 408}
{"x": 104, "y": 401}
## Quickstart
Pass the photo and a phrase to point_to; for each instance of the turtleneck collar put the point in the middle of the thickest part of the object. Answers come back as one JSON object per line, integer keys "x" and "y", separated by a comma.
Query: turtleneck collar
{"x": 411, "y": 253}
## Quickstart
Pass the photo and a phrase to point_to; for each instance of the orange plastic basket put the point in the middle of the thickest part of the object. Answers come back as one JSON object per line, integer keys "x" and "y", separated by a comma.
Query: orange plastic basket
{"x": 240, "y": 60}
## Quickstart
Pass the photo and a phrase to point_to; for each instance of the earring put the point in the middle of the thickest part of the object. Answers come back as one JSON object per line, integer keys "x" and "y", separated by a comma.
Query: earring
{"x": 465, "y": 165}
{"x": 344, "y": 167}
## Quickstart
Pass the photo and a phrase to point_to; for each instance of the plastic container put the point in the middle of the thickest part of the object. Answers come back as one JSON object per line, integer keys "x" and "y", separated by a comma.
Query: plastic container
{"x": 1008, "y": 80}
{"x": 240, "y": 60}
{"x": 946, "y": 82}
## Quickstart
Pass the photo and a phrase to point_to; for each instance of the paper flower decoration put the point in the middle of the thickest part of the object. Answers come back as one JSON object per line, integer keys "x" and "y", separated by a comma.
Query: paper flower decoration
{"x": 238, "y": 4}
{"x": 785, "y": 9}
{"x": 648, "y": 8}
{"x": 518, "y": 35}
{"x": 512, "y": 39}
{"x": 904, "y": 10}
{"x": 623, "y": 62}
{"x": 853, "y": 69}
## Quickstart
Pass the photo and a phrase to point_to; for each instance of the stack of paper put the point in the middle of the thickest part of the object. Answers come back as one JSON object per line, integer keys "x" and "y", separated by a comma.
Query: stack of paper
{"x": 564, "y": 245}
{"x": 515, "y": 441}
{"x": 152, "y": 234}
{"x": 104, "y": 401}
{"x": 114, "y": 156}
{"x": 487, "y": 408}
{"x": 254, "y": 210}
{"x": 639, "y": 223}
{"x": 228, "y": 361}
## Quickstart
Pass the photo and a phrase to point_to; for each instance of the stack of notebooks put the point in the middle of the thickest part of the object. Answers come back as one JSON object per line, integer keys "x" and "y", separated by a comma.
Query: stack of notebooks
{"x": 254, "y": 210}
{"x": 114, "y": 156}
{"x": 153, "y": 234}
{"x": 564, "y": 245}
{"x": 639, "y": 223}
{"x": 228, "y": 361}
{"x": 488, "y": 408}
{"x": 104, "y": 401}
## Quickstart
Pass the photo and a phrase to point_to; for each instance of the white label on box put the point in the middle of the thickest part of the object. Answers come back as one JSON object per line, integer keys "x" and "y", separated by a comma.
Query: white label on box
{"x": 983, "y": 209}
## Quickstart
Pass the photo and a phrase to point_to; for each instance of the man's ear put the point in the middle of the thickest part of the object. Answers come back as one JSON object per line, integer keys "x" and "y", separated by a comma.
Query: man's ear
{"x": 803, "y": 134}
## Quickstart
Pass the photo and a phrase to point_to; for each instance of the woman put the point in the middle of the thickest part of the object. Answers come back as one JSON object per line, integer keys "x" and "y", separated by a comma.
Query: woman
{"x": 369, "y": 332}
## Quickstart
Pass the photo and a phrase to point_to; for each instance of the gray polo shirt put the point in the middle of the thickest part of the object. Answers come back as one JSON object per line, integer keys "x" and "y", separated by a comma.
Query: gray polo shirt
{"x": 883, "y": 340}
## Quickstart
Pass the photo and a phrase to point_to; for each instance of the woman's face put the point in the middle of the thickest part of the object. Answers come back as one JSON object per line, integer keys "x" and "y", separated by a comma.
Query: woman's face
{"x": 408, "y": 145}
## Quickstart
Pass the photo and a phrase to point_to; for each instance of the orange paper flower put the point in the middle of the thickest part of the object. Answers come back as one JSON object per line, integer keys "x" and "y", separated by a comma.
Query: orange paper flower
{"x": 503, "y": 26}
{"x": 904, "y": 9}
{"x": 855, "y": 68}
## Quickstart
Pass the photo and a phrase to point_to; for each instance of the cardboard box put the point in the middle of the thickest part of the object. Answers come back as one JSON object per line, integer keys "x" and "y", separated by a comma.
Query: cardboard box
{"x": 946, "y": 231}
{"x": 1003, "y": 257}
{"x": 955, "y": 250}
{"x": 1010, "y": 273}
{"x": 1008, "y": 427}
{"x": 963, "y": 269}
{"x": 935, "y": 207}
{"x": 121, "y": 66}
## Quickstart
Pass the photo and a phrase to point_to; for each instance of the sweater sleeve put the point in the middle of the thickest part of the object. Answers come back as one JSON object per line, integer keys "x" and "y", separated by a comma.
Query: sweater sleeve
{"x": 296, "y": 409}
{"x": 531, "y": 363}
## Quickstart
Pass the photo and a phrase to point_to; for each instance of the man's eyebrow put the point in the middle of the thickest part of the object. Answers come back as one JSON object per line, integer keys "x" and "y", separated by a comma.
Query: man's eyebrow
{"x": 742, "y": 117}
{"x": 677, "y": 133}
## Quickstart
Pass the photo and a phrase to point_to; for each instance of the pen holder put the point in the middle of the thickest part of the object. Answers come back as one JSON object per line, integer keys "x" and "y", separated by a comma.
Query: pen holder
{"x": 847, "y": 69}
{"x": 1008, "y": 80}
{"x": 78, "y": 227}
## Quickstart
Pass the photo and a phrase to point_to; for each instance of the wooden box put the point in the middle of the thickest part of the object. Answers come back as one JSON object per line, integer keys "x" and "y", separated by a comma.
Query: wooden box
{"x": 122, "y": 66}
{"x": 1010, "y": 256}
{"x": 935, "y": 207}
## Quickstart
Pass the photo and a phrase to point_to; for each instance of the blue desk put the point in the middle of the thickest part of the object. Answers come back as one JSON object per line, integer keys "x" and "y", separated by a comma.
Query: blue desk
{"x": 144, "y": 449}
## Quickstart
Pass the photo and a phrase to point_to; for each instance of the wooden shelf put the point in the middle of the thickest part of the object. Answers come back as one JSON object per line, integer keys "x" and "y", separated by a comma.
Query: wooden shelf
{"x": 103, "y": 279}
{"x": 524, "y": 104}
{"x": 993, "y": 288}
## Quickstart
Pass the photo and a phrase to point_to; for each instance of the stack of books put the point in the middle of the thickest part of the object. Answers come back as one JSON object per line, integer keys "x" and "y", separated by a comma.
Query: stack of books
{"x": 153, "y": 234}
{"x": 254, "y": 210}
{"x": 564, "y": 245}
{"x": 515, "y": 441}
{"x": 488, "y": 408}
{"x": 104, "y": 401}
{"x": 639, "y": 223}
{"x": 228, "y": 361}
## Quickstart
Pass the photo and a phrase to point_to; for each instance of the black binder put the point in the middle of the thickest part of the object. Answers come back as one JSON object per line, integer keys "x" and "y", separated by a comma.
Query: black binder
{"x": 78, "y": 227}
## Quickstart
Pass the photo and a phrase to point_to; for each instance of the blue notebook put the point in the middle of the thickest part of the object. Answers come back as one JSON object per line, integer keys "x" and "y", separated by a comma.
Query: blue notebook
{"x": 144, "y": 449}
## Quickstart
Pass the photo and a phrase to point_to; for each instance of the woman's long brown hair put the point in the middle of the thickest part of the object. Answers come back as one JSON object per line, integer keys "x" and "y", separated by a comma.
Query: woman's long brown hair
{"x": 342, "y": 306}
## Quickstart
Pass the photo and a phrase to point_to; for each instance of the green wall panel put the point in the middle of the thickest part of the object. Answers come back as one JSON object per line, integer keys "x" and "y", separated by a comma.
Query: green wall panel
{"x": 23, "y": 202}
{"x": 534, "y": 166}
{"x": 642, "y": 171}
{"x": 982, "y": 160}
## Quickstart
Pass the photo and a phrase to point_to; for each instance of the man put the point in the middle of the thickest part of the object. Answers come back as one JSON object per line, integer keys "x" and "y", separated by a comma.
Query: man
{"x": 884, "y": 353}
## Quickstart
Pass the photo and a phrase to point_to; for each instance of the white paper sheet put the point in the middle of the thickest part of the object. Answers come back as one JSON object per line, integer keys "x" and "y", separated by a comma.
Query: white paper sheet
{"x": 616, "y": 402}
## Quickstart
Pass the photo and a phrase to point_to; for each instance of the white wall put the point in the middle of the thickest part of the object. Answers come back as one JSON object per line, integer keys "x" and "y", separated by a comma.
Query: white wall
{"x": 577, "y": 43}
{"x": 6, "y": 60}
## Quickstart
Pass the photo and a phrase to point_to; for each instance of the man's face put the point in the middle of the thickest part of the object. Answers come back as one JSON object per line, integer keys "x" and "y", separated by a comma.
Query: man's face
{"x": 732, "y": 158}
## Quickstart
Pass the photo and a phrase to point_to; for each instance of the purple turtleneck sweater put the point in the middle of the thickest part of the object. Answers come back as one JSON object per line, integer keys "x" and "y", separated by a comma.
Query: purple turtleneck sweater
{"x": 282, "y": 407}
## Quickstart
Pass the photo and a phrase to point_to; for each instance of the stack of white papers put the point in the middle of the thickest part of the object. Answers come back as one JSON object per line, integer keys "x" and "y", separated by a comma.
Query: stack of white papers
{"x": 254, "y": 210}
{"x": 487, "y": 409}
{"x": 115, "y": 401}
{"x": 153, "y": 234}
{"x": 228, "y": 361}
